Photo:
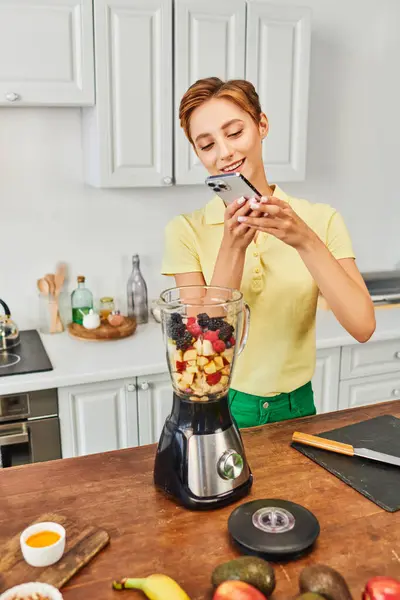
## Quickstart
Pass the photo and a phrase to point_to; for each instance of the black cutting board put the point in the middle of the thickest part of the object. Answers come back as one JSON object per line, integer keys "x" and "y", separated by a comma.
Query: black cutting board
{"x": 377, "y": 481}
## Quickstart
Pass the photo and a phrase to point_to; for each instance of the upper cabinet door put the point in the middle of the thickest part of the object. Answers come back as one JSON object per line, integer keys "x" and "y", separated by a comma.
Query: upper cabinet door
{"x": 209, "y": 42}
{"x": 128, "y": 136}
{"x": 46, "y": 53}
{"x": 277, "y": 63}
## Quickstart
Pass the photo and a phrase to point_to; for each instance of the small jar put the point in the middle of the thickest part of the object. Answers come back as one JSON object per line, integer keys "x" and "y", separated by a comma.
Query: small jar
{"x": 106, "y": 307}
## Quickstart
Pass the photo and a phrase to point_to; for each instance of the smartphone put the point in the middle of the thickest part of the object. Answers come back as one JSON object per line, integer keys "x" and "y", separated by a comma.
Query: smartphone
{"x": 231, "y": 186}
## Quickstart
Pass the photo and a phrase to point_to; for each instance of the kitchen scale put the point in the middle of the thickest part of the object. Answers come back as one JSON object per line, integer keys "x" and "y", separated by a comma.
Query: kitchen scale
{"x": 200, "y": 460}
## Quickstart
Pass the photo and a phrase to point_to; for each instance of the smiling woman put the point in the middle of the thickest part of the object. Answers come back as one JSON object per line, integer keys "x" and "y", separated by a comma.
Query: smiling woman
{"x": 280, "y": 251}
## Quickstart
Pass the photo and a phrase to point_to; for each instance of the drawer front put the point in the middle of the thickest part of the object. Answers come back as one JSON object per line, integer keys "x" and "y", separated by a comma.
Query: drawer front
{"x": 373, "y": 358}
{"x": 369, "y": 390}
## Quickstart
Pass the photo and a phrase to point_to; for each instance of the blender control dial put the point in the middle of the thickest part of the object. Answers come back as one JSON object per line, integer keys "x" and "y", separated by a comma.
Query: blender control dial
{"x": 230, "y": 465}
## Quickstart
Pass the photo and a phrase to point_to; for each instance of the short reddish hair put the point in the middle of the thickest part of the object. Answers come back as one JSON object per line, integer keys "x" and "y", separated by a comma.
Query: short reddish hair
{"x": 239, "y": 91}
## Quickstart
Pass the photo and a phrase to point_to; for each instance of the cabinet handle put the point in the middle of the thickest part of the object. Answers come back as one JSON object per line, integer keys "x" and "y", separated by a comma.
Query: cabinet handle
{"x": 167, "y": 180}
{"x": 12, "y": 97}
{"x": 131, "y": 387}
{"x": 397, "y": 354}
{"x": 396, "y": 394}
{"x": 144, "y": 386}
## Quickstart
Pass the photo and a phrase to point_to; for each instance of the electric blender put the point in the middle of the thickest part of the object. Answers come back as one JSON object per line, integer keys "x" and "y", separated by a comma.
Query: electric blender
{"x": 200, "y": 459}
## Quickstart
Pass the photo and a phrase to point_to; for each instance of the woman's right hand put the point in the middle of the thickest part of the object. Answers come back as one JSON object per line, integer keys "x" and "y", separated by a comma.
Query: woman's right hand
{"x": 238, "y": 235}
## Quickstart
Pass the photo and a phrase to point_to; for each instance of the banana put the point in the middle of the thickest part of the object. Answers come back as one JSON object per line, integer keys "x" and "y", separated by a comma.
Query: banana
{"x": 156, "y": 587}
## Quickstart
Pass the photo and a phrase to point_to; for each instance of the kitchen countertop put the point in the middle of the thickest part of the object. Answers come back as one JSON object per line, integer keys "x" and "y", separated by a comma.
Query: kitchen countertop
{"x": 150, "y": 534}
{"x": 77, "y": 362}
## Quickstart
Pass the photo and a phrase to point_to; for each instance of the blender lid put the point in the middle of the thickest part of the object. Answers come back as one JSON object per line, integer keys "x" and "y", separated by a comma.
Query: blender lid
{"x": 273, "y": 529}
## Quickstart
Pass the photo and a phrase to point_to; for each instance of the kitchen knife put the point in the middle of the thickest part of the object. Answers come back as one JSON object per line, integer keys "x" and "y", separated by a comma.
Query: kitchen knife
{"x": 340, "y": 448}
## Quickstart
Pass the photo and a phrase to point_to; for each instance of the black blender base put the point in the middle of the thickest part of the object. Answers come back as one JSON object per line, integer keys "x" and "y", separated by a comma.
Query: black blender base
{"x": 182, "y": 495}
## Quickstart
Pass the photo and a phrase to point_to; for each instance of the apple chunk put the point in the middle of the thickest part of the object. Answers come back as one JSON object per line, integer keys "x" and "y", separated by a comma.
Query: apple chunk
{"x": 219, "y": 362}
{"x": 202, "y": 360}
{"x": 228, "y": 354}
{"x": 208, "y": 349}
{"x": 190, "y": 355}
{"x": 210, "y": 368}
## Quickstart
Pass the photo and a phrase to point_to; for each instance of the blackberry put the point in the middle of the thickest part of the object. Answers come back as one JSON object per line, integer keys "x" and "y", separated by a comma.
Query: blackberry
{"x": 175, "y": 330}
{"x": 176, "y": 318}
{"x": 184, "y": 341}
{"x": 225, "y": 332}
{"x": 203, "y": 320}
{"x": 215, "y": 323}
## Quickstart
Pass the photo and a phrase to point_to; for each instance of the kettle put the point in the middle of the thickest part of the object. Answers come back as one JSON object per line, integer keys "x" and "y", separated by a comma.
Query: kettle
{"x": 9, "y": 332}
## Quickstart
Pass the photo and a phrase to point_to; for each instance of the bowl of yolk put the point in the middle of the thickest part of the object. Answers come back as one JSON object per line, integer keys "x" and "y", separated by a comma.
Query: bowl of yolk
{"x": 43, "y": 544}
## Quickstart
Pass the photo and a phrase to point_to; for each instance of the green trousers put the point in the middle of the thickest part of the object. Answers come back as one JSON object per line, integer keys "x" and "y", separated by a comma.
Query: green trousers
{"x": 250, "y": 411}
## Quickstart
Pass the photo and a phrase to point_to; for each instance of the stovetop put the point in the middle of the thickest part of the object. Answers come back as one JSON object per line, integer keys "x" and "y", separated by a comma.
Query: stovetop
{"x": 29, "y": 356}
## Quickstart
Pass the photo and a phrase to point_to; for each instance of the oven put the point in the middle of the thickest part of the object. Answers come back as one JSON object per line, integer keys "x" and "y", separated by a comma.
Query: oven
{"x": 29, "y": 428}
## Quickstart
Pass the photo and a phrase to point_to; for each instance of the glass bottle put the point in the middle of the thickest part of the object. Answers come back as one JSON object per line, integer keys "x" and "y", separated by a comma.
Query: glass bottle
{"x": 81, "y": 301}
{"x": 137, "y": 293}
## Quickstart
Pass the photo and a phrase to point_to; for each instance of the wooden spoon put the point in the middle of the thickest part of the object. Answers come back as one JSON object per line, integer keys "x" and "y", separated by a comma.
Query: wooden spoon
{"x": 43, "y": 286}
{"x": 59, "y": 278}
{"x": 51, "y": 281}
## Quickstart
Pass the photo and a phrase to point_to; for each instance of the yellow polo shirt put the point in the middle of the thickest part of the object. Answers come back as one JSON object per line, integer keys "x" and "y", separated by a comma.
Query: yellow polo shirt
{"x": 280, "y": 352}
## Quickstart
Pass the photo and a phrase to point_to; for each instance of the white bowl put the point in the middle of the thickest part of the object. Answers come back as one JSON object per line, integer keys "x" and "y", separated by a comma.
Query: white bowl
{"x": 43, "y": 557}
{"x": 28, "y": 589}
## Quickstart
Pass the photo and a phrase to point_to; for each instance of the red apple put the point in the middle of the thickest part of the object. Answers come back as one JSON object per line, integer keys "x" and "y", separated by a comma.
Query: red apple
{"x": 382, "y": 588}
{"x": 237, "y": 590}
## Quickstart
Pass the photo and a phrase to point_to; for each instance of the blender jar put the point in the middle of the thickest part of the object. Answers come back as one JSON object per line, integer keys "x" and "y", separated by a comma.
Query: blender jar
{"x": 205, "y": 328}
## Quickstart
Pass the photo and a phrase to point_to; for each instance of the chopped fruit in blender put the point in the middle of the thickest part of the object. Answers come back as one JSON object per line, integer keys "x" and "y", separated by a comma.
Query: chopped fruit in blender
{"x": 202, "y": 360}
{"x": 224, "y": 380}
{"x": 213, "y": 378}
{"x": 215, "y": 323}
{"x": 225, "y": 332}
{"x": 178, "y": 356}
{"x": 232, "y": 341}
{"x": 195, "y": 330}
{"x": 198, "y": 345}
{"x": 190, "y": 354}
{"x": 226, "y": 370}
{"x": 175, "y": 330}
{"x": 180, "y": 366}
{"x": 176, "y": 318}
{"x": 184, "y": 341}
{"x": 219, "y": 362}
{"x": 193, "y": 369}
{"x": 203, "y": 320}
{"x": 187, "y": 378}
{"x": 211, "y": 335}
{"x": 219, "y": 346}
{"x": 210, "y": 367}
{"x": 192, "y": 363}
{"x": 217, "y": 388}
{"x": 208, "y": 349}
{"x": 177, "y": 377}
{"x": 190, "y": 321}
{"x": 228, "y": 354}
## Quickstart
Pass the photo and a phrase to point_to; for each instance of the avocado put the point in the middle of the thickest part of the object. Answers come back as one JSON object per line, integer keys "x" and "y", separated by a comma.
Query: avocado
{"x": 325, "y": 581}
{"x": 250, "y": 569}
{"x": 309, "y": 596}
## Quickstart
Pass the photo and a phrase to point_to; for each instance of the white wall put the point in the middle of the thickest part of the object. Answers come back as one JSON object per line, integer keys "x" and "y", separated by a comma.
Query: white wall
{"x": 48, "y": 214}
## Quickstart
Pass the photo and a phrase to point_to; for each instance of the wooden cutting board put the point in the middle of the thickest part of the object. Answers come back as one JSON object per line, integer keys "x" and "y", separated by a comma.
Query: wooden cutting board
{"x": 105, "y": 332}
{"x": 82, "y": 544}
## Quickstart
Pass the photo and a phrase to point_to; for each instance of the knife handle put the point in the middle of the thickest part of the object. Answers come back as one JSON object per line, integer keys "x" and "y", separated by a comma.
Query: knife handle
{"x": 317, "y": 442}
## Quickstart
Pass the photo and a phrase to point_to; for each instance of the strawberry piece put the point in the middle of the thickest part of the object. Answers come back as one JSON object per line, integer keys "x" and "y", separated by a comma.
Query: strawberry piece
{"x": 213, "y": 378}
{"x": 232, "y": 341}
{"x": 194, "y": 329}
{"x": 219, "y": 346}
{"x": 212, "y": 336}
{"x": 180, "y": 366}
{"x": 191, "y": 321}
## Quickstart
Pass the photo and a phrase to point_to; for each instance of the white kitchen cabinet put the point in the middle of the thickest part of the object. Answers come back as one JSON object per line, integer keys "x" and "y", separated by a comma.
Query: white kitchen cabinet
{"x": 372, "y": 358}
{"x": 46, "y": 53}
{"x": 154, "y": 405}
{"x": 127, "y": 137}
{"x": 98, "y": 417}
{"x": 326, "y": 380}
{"x": 209, "y": 41}
{"x": 278, "y": 64}
{"x": 369, "y": 390}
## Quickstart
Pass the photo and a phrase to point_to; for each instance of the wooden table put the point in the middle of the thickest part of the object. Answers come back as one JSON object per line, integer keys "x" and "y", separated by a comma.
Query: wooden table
{"x": 149, "y": 533}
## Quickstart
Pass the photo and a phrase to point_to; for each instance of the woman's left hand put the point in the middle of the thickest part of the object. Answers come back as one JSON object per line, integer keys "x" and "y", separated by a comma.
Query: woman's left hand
{"x": 279, "y": 219}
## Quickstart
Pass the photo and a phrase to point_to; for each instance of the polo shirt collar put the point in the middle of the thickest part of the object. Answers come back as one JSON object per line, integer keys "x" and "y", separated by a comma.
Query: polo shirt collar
{"x": 215, "y": 209}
